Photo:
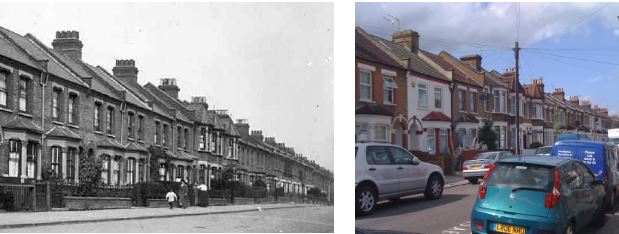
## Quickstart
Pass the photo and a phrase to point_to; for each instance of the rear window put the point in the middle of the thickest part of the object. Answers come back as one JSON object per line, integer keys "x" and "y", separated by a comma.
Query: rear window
{"x": 521, "y": 176}
{"x": 543, "y": 150}
{"x": 486, "y": 156}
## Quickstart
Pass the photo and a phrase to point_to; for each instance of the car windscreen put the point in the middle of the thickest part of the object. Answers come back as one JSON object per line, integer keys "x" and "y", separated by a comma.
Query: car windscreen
{"x": 543, "y": 150}
{"x": 521, "y": 176}
{"x": 487, "y": 155}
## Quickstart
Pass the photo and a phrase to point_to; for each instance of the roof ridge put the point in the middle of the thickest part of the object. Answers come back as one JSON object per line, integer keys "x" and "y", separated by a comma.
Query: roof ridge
{"x": 45, "y": 50}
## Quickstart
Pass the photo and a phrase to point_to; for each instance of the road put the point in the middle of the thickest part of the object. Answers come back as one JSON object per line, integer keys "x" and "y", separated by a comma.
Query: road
{"x": 311, "y": 219}
{"x": 449, "y": 215}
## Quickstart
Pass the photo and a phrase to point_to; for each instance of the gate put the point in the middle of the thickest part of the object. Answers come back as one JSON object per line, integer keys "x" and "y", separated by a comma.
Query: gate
{"x": 16, "y": 197}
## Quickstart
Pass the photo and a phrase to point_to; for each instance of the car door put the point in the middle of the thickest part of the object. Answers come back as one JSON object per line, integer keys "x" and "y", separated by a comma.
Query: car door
{"x": 587, "y": 196}
{"x": 412, "y": 177}
{"x": 569, "y": 188}
{"x": 381, "y": 168}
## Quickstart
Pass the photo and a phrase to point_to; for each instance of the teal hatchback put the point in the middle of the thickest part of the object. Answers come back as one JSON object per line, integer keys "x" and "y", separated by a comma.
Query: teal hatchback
{"x": 533, "y": 194}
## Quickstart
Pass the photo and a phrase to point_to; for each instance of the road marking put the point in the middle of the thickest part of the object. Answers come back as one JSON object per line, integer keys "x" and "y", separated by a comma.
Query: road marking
{"x": 459, "y": 229}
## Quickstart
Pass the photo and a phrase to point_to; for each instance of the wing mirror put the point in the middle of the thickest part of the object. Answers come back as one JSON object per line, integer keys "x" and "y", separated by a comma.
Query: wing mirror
{"x": 597, "y": 182}
{"x": 415, "y": 161}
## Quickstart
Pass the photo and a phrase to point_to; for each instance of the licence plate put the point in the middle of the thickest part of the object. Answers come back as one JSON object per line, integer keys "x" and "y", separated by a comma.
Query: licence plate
{"x": 476, "y": 167}
{"x": 509, "y": 229}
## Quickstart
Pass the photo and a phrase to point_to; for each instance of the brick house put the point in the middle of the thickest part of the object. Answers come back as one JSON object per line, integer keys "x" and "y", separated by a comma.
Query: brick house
{"x": 55, "y": 108}
{"x": 381, "y": 102}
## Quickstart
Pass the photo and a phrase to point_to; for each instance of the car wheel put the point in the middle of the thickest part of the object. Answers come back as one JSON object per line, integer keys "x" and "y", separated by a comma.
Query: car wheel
{"x": 434, "y": 188}
{"x": 569, "y": 229}
{"x": 600, "y": 217}
{"x": 366, "y": 200}
{"x": 473, "y": 180}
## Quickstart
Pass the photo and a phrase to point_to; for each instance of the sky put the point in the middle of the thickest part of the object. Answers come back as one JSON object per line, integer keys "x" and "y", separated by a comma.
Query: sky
{"x": 270, "y": 63}
{"x": 574, "y": 46}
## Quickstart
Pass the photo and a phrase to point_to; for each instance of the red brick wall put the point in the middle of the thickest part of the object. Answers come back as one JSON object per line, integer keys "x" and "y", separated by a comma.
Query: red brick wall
{"x": 377, "y": 86}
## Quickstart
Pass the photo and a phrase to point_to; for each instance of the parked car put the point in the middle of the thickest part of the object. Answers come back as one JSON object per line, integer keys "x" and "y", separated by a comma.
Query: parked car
{"x": 385, "y": 171}
{"x": 475, "y": 169}
{"x": 600, "y": 157}
{"x": 543, "y": 151}
{"x": 532, "y": 194}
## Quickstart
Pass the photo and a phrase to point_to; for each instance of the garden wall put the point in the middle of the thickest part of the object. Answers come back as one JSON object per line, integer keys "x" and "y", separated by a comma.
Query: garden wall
{"x": 92, "y": 203}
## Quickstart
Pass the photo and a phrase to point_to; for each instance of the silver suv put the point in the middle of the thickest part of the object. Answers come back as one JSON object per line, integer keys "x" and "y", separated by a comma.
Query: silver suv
{"x": 386, "y": 171}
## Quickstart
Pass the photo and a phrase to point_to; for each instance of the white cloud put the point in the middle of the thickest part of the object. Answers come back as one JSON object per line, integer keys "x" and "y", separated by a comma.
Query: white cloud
{"x": 487, "y": 23}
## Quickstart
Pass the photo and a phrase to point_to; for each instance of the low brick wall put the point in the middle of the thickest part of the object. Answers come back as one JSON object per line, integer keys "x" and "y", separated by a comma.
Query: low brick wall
{"x": 92, "y": 203}
{"x": 265, "y": 200}
{"x": 217, "y": 202}
{"x": 243, "y": 200}
{"x": 157, "y": 203}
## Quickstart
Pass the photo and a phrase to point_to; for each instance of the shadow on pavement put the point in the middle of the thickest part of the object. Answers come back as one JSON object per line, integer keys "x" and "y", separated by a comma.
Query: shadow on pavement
{"x": 410, "y": 204}
{"x": 371, "y": 231}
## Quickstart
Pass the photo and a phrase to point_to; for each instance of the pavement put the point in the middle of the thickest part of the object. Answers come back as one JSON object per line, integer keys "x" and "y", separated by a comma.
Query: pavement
{"x": 455, "y": 180}
{"x": 291, "y": 220}
{"x": 30, "y": 219}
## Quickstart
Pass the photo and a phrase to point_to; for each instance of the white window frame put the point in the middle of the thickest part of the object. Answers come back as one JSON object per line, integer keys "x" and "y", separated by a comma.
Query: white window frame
{"x": 462, "y": 99}
{"x": 438, "y": 97}
{"x": 422, "y": 102}
{"x": 474, "y": 107}
{"x": 389, "y": 87}
{"x": 365, "y": 85}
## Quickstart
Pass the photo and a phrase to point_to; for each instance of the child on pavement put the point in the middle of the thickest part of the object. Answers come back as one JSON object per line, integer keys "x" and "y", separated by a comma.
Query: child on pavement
{"x": 171, "y": 196}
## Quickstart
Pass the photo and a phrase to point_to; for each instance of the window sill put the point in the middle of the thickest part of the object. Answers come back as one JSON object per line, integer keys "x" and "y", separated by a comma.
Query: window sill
{"x": 141, "y": 142}
{"x": 73, "y": 126}
{"x": 366, "y": 100}
{"x": 6, "y": 110}
{"x": 25, "y": 114}
{"x": 97, "y": 132}
{"x": 110, "y": 135}
{"x": 130, "y": 139}
{"x": 389, "y": 104}
{"x": 56, "y": 122}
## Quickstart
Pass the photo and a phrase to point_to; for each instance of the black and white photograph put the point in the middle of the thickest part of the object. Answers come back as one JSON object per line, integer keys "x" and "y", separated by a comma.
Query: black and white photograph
{"x": 166, "y": 117}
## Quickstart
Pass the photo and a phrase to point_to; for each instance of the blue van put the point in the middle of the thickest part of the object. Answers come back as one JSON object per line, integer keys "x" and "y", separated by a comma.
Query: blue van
{"x": 572, "y": 136}
{"x": 600, "y": 157}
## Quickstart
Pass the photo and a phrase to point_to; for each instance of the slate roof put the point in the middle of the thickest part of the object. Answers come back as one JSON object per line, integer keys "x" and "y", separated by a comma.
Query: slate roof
{"x": 170, "y": 102}
{"x": 109, "y": 79}
{"x": 228, "y": 125}
{"x": 365, "y": 49}
{"x": 38, "y": 51}
{"x": 458, "y": 75}
{"x": 416, "y": 64}
{"x": 373, "y": 109}
{"x": 23, "y": 124}
{"x": 132, "y": 146}
{"x": 436, "y": 116}
{"x": 467, "y": 118}
{"x": 9, "y": 50}
{"x": 107, "y": 142}
{"x": 493, "y": 79}
{"x": 214, "y": 119}
{"x": 63, "y": 132}
{"x": 508, "y": 79}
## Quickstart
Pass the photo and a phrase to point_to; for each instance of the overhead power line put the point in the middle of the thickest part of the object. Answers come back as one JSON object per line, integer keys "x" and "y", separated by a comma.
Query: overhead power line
{"x": 574, "y": 58}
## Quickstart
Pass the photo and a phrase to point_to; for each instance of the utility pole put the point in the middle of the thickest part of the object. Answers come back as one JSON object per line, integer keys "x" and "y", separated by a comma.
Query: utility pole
{"x": 516, "y": 81}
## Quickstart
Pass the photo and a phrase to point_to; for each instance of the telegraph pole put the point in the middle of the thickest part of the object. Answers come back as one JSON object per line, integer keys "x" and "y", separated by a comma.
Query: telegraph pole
{"x": 516, "y": 81}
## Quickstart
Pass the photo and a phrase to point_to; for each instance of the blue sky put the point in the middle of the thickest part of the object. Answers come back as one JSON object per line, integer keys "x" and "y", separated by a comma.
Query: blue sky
{"x": 574, "y": 46}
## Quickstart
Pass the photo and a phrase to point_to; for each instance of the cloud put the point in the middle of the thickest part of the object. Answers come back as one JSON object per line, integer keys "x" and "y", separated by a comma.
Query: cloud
{"x": 458, "y": 26}
{"x": 616, "y": 32}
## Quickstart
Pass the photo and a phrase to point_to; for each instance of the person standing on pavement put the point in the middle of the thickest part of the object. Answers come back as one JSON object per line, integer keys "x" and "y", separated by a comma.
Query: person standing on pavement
{"x": 171, "y": 197}
{"x": 183, "y": 195}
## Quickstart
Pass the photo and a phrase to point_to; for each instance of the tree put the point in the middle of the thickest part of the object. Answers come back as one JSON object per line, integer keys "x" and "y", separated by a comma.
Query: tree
{"x": 487, "y": 135}
{"x": 535, "y": 145}
{"x": 89, "y": 173}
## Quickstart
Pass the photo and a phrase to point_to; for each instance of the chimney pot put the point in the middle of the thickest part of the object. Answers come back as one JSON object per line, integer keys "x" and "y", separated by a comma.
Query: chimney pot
{"x": 168, "y": 85}
{"x": 125, "y": 69}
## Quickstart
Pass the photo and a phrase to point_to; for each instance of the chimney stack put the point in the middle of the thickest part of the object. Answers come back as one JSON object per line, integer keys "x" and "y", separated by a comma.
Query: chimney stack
{"x": 574, "y": 100}
{"x": 257, "y": 135}
{"x": 243, "y": 126}
{"x": 558, "y": 93}
{"x": 168, "y": 85}
{"x": 69, "y": 44}
{"x": 407, "y": 38}
{"x": 125, "y": 69}
{"x": 472, "y": 60}
{"x": 586, "y": 104}
{"x": 540, "y": 84}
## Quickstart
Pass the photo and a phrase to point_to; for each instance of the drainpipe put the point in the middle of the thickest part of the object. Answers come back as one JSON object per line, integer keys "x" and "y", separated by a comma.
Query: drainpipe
{"x": 43, "y": 83}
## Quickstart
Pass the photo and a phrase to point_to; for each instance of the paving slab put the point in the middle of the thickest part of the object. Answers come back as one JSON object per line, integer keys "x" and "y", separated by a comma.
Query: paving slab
{"x": 33, "y": 219}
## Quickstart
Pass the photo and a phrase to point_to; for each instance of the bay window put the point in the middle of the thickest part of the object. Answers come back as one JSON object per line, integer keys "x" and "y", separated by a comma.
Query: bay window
{"x": 57, "y": 160}
{"x": 14, "y": 158}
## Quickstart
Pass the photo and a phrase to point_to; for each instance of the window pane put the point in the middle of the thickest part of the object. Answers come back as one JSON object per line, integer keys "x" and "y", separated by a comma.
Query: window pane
{"x": 423, "y": 95}
{"x": 377, "y": 155}
{"x": 437, "y": 97}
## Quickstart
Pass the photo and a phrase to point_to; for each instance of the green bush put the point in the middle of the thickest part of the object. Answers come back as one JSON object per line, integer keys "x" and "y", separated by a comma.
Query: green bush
{"x": 535, "y": 145}
{"x": 487, "y": 135}
{"x": 89, "y": 174}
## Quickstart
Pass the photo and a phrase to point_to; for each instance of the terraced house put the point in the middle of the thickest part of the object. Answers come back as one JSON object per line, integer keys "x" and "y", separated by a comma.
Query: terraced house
{"x": 55, "y": 108}
{"x": 447, "y": 99}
